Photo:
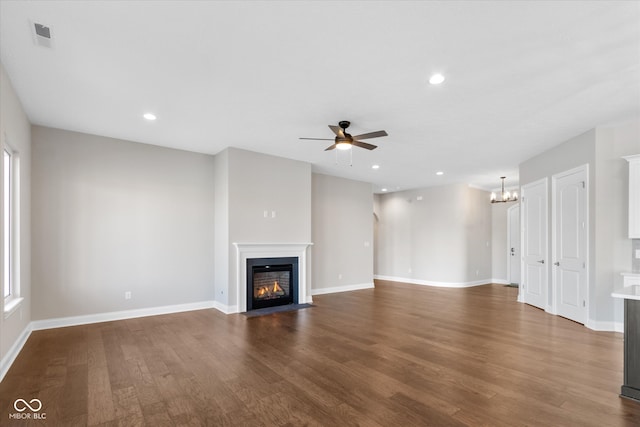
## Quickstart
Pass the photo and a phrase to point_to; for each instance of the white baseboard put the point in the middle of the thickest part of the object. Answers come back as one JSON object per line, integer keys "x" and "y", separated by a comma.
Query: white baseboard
{"x": 13, "y": 352}
{"x": 605, "y": 326}
{"x": 500, "y": 281}
{"x": 226, "y": 309}
{"x": 61, "y": 322}
{"x": 431, "y": 283}
{"x": 346, "y": 288}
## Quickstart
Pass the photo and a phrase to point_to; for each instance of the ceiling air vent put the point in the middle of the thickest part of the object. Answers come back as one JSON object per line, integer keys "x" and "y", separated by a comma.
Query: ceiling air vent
{"x": 42, "y": 36}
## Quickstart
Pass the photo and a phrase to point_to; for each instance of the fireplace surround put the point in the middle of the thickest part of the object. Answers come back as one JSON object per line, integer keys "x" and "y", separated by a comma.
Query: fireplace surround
{"x": 246, "y": 251}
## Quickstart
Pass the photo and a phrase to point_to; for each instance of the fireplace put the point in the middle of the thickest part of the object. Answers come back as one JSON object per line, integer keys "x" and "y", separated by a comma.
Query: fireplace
{"x": 244, "y": 272}
{"x": 271, "y": 282}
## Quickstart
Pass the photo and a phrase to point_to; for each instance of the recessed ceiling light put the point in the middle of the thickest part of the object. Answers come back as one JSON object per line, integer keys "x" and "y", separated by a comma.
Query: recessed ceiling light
{"x": 383, "y": 190}
{"x": 149, "y": 116}
{"x": 439, "y": 173}
{"x": 375, "y": 166}
{"x": 436, "y": 79}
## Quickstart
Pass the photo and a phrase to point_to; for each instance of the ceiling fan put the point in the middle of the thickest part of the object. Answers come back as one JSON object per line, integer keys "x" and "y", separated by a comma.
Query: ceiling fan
{"x": 344, "y": 141}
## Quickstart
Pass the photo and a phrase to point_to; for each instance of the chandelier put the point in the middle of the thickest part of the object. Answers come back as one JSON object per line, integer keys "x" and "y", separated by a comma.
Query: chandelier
{"x": 505, "y": 196}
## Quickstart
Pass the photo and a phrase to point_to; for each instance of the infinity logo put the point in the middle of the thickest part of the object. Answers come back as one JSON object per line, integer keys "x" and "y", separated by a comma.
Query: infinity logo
{"x": 26, "y": 405}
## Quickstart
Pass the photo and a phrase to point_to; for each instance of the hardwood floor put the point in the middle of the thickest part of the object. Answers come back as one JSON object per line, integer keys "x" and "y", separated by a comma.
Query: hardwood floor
{"x": 397, "y": 355}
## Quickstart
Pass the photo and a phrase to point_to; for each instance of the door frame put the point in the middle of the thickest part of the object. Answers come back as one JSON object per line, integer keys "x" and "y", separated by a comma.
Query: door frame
{"x": 554, "y": 255}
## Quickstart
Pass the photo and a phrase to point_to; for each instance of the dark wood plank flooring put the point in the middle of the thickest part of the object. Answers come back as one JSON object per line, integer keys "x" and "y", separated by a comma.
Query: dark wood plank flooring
{"x": 399, "y": 355}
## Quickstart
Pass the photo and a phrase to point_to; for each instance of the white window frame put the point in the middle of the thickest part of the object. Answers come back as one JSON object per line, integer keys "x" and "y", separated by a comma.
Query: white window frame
{"x": 11, "y": 240}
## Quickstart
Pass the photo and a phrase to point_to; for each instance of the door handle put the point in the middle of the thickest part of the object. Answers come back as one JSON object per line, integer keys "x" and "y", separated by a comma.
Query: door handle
{"x": 557, "y": 263}
{"x": 541, "y": 261}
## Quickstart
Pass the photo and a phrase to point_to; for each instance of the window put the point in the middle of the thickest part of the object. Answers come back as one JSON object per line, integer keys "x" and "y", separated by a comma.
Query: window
{"x": 10, "y": 228}
{"x": 6, "y": 230}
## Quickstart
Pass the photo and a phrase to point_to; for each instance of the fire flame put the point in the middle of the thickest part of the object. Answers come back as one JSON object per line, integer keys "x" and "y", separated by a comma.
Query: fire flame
{"x": 270, "y": 291}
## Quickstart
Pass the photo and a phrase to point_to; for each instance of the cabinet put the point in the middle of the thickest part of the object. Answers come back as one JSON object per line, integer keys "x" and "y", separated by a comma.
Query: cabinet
{"x": 631, "y": 294}
{"x": 634, "y": 196}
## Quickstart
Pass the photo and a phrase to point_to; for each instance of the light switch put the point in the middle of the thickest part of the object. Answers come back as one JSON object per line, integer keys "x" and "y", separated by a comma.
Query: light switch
{"x": 637, "y": 253}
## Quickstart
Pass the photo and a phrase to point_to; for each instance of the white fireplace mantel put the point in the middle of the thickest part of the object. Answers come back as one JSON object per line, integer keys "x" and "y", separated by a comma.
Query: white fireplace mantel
{"x": 246, "y": 251}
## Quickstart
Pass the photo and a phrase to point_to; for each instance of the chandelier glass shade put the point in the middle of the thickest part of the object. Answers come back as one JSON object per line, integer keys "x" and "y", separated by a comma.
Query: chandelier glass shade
{"x": 505, "y": 196}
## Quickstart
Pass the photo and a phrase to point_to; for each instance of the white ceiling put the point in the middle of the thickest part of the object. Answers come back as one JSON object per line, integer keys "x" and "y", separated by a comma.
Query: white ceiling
{"x": 521, "y": 77}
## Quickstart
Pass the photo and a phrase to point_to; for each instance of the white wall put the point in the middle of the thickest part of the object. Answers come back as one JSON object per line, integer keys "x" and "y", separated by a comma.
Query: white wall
{"x": 15, "y": 131}
{"x": 111, "y": 216}
{"x": 499, "y": 244}
{"x": 444, "y": 238}
{"x": 342, "y": 218}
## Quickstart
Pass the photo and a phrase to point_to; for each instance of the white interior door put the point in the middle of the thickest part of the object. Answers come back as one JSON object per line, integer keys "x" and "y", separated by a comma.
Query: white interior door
{"x": 514, "y": 258}
{"x": 569, "y": 237}
{"x": 534, "y": 243}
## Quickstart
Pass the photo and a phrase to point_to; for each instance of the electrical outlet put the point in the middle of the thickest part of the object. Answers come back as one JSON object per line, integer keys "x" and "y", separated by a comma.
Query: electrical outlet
{"x": 340, "y": 276}
{"x": 127, "y": 295}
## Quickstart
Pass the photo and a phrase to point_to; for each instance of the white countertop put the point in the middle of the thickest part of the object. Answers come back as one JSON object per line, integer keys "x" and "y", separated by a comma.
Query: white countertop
{"x": 628, "y": 292}
{"x": 631, "y": 287}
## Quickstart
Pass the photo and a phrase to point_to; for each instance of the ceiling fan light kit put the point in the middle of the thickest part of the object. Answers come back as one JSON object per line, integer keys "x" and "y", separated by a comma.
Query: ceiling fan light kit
{"x": 505, "y": 196}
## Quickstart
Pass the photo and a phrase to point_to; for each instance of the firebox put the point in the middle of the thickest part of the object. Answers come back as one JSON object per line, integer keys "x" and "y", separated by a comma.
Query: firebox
{"x": 271, "y": 282}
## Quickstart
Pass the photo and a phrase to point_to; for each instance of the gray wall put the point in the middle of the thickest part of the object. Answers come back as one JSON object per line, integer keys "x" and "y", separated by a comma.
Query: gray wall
{"x": 609, "y": 248}
{"x": 15, "y": 131}
{"x": 221, "y": 228}
{"x": 613, "y": 248}
{"x": 260, "y": 182}
{"x": 575, "y": 152}
{"x": 257, "y": 183}
{"x": 342, "y": 218}
{"x": 111, "y": 216}
{"x": 443, "y": 238}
